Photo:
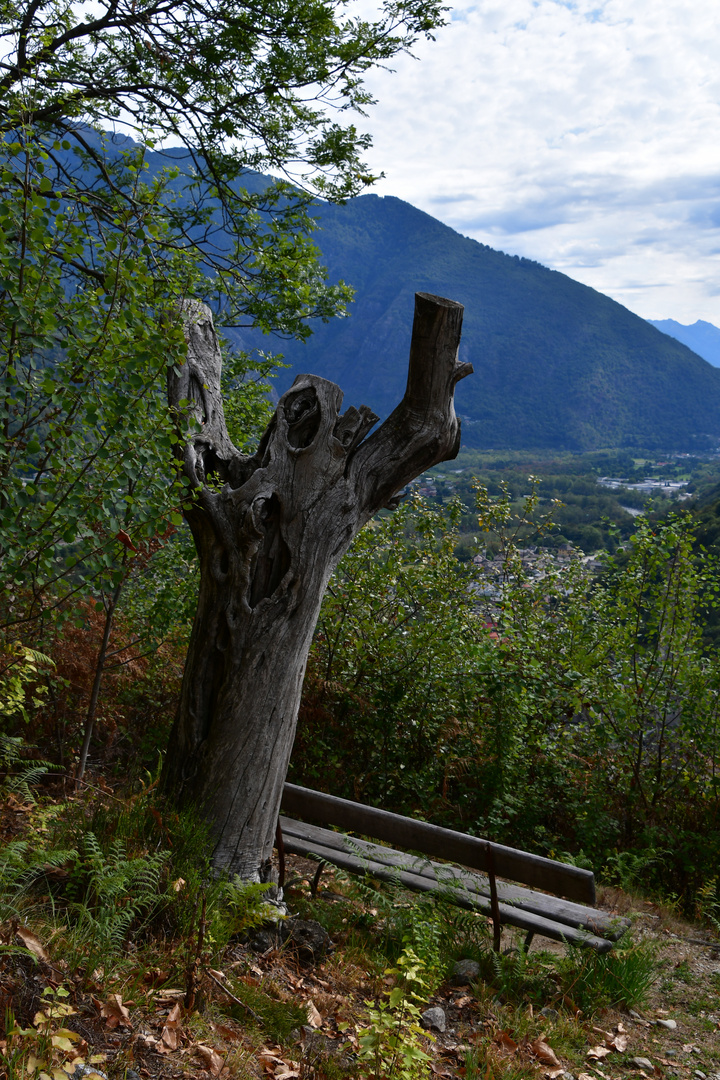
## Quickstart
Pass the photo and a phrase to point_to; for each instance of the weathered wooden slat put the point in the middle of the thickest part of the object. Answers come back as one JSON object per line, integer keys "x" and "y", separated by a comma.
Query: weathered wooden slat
{"x": 510, "y": 915}
{"x": 571, "y": 882}
{"x": 549, "y": 907}
{"x": 552, "y": 907}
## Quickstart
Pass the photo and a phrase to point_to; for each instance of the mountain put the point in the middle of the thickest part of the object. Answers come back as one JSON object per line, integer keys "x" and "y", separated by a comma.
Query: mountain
{"x": 702, "y": 337}
{"x": 557, "y": 364}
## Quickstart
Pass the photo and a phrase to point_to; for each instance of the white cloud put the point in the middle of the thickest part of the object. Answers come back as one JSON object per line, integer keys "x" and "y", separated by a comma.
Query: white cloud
{"x": 585, "y": 135}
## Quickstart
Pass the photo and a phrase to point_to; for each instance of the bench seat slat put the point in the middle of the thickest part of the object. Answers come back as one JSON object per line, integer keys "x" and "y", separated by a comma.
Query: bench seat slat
{"x": 457, "y": 880}
{"x": 509, "y": 914}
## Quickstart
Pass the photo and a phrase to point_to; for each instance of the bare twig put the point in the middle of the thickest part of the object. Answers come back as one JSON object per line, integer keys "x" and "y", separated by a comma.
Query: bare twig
{"x": 232, "y": 996}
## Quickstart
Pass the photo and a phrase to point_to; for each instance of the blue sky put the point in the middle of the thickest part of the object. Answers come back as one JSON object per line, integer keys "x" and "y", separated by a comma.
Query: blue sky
{"x": 584, "y": 134}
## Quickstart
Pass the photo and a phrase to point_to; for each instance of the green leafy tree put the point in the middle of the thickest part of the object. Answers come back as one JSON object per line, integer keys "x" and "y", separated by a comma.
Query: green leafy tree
{"x": 101, "y": 236}
{"x": 238, "y": 87}
{"x": 85, "y": 462}
{"x": 653, "y": 706}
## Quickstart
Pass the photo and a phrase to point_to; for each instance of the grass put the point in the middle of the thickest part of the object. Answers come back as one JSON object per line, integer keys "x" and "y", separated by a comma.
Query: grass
{"x": 275, "y": 1018}
{"x": 622, "y": 978}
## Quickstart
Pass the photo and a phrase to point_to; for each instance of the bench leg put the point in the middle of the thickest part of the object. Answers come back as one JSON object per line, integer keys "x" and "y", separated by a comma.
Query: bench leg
{"x": 528, "y": 940}
{"x": 280, "y": 845}
{"x": 494, "y": 907}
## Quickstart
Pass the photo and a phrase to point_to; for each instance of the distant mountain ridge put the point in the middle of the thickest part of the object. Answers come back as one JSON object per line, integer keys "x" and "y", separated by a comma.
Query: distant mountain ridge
{"x": 557, "y": 364}
{"x": 702, "y": 337}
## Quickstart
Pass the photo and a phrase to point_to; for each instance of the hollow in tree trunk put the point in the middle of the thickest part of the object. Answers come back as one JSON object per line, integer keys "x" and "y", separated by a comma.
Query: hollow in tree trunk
{"x": 269, "y": 530}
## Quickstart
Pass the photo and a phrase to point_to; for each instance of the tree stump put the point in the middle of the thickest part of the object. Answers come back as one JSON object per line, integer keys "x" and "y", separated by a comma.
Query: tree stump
{"x": 269, "y": 530}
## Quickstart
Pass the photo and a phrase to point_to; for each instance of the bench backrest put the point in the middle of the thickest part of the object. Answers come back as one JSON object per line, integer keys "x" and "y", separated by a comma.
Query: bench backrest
{"x": 571, "y": 882}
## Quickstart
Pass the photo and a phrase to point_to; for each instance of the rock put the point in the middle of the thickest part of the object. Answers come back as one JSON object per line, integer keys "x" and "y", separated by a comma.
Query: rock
{"x": 550, "y": 1014}
{"x": 634, "y": 1015}
{"x": 642, "y": 1063}
{"x": 316, "y": 1044}
{"x": 700, "y": 1075}
{"x": 669, "y": 1024}
{"x": 307, "y": 938}
{"x": 132, "y": 1075}
{"x": 434, "y": 1018}
{"x": 465, "y": 972}
{"x": 671, "y": 1053}
{"x": 264, "y": 938}
{"x": 87, "y": 1070}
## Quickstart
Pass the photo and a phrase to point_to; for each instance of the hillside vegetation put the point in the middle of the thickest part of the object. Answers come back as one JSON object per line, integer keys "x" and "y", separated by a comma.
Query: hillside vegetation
{"x": 569, "y": 715}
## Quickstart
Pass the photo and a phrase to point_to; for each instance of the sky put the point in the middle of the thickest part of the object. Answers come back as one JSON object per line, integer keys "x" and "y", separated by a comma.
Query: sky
{"x": 584, "y": 135}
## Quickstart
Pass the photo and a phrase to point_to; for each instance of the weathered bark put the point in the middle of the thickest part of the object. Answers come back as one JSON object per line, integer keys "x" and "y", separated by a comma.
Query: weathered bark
{"x": 269, "y": 530}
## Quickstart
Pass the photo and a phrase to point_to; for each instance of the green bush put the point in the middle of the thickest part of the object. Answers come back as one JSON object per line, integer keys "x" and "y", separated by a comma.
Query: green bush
{"x": 560, "y": 712}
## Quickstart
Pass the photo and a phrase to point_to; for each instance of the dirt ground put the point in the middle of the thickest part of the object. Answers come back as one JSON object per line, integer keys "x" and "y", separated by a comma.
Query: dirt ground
{"x": 677, "y": 1031}
{"x": 146, "y": 1028}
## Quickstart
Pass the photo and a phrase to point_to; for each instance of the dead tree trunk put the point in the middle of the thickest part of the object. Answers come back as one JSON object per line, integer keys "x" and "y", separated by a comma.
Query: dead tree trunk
{"x": 269, "y": 530}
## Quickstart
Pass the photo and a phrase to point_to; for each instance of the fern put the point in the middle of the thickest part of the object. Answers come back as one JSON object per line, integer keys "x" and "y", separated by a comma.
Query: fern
{"x": 244, "y": 904}
{"x": 21, "y": 774}
{"x": 117, "y": 892}
{"x": 21, "y": 868}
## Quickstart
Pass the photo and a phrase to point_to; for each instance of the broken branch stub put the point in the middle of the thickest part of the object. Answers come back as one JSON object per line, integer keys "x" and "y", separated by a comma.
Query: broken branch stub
{"x": 269, "y": 529}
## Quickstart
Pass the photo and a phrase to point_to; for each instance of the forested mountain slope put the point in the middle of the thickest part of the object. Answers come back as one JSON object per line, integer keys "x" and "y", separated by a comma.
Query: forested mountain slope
{"x": 557, "y": 364}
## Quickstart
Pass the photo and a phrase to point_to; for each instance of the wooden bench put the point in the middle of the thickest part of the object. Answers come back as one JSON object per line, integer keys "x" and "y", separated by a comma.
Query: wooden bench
{"x": 567, "y": 915}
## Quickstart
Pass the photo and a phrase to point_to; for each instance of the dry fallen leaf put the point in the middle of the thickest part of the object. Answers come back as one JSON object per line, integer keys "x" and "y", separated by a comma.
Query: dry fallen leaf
{"x": 164, "y": 997}
{"x": 598, "y": 1052}
{"x": 170, "y": 1037}
{"x": 552, "y": 1074}
{"x": 585, "y": 1076}
{"x": 544, "y": 1053}
{"x": 155, "y": 977}
{"x": 506, "y": 1044}
{"x": 211, "y": 1059}
{"x": 619, "y": 1043}
{"x": 32, "y": 943}
{"x": 269, "y": 1061}
{"x": 314, "y": 1018}
{"x": 115, "y": 1013}
{"x": 148, "y": 1041}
